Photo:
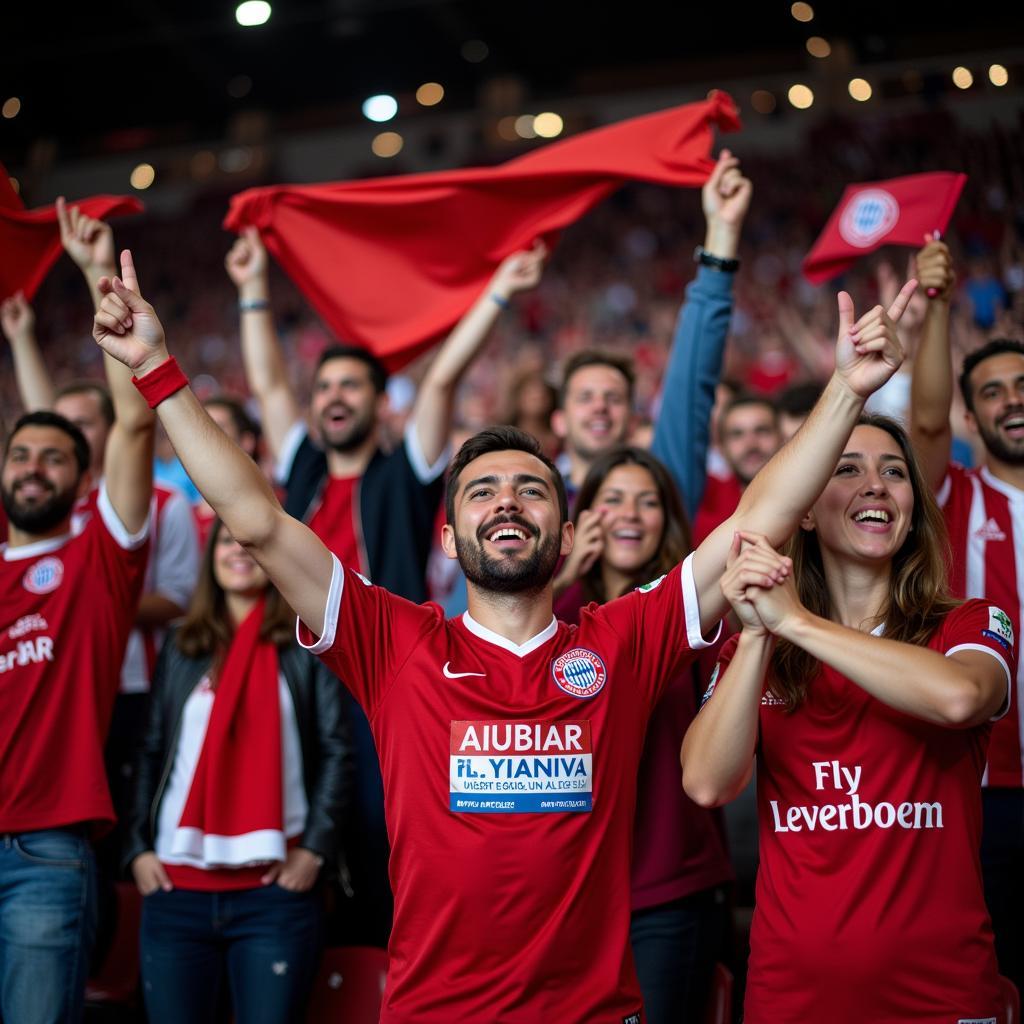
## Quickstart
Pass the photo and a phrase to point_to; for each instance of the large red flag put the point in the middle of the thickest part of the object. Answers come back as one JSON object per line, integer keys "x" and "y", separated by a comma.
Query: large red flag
{"x": 899, "y": 211}
{"x": 392, "y": 263}
{"x": 30, "y": 239}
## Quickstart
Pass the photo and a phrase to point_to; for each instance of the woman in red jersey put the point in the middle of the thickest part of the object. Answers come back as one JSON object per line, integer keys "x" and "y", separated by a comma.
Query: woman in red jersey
{"x": 866, "y": 695}
{"x": 631, "y": 530}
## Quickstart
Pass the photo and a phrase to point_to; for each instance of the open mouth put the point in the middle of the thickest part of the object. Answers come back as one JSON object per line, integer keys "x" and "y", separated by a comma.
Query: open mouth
{"x": 508, "y": 536}
{"x": 628, "y": 536}
{"x": 1014, "y": 425}
{"x": 874, "y": 520}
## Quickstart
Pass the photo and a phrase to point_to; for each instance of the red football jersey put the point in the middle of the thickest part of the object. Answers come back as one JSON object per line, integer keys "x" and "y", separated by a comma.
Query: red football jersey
{"x": 869, "y": 903}
{"x": 985, "y": 519}
{"x": 510, "y": 783}
{"x": 334, "y": 520}
{"x": 66, "y": 607}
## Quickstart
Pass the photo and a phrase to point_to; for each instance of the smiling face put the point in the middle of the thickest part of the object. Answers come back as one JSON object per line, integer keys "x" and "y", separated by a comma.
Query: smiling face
{"x": 41, "y": 479}
{"x": 507, "y": 530}
{"x": 632, "y": 515}
{"x": 345, "y": 404}
{"x": 997, "y": 390}
{"x": 234, "y": 569}
{"x": 749, "y": 438}
{"x": 867, "y": 507}
{"x": 596, "y": 411}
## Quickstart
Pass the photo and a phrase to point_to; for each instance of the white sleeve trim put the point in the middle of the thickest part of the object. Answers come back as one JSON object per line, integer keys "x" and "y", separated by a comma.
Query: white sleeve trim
{"x": 425, "y": 473}
{"x": 943, "y": 493}
{"x": 289, "y": 448}
{"x": 691, "y": 609}
{"x": 117, "y": 529}
{"x": 330, "y": 623}
{"x": 1005, "y": 707}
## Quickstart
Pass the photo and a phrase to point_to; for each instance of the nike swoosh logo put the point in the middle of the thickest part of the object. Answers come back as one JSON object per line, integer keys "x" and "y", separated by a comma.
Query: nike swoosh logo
{"x": 449, "y": 674}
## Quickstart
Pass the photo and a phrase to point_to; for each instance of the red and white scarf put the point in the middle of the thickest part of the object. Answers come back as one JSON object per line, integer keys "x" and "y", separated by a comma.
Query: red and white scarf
{"x": 234, "y": 814}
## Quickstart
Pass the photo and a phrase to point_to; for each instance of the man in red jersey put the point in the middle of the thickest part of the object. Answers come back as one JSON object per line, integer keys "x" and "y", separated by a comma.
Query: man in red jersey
{"x": 984, "y": 510}
{"x": 69, "y": 587}
{"x": 509, "y": 742}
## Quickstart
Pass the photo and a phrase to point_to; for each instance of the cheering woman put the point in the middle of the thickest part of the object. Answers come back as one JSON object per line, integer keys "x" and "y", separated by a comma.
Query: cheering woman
{"x": 866, "y": 696}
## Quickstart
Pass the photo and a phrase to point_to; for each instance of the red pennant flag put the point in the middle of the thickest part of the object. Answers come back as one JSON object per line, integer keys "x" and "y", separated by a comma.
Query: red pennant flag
{"x": 392, "y": 263}
{"x": 30, "y": 239}
{"x": 899, "y": 211}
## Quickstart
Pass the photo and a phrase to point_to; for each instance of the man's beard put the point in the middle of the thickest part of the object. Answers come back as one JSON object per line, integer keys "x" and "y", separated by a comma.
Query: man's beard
{"x": 508, "y": 575}
{"x": 42, "y": 516}
{"x": 742, "y": 472}
{"x": 996, "y": 445}
{"x": 354, "y": 436}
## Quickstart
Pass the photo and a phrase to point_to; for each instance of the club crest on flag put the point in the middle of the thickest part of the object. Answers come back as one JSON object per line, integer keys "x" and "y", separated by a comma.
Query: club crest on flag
{"x": 44, "y": 576}
{"x": 579, "y": 672}
{"x": 869, "y": 216}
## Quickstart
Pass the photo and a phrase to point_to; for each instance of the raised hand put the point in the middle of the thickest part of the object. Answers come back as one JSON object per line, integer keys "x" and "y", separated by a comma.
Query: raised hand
{"x": 246, "y": 262}
{"x": 126, "y": 327}
{"x": 868, "y": 350}
{"x": 17, "y": 318}
{"x": 934, "y": 269}
{"x": 752, "y": 563}
{"x": 89, "y": 242}
{"x": 587, "y": 546}
{"x": 520, "y": 271}
{"x": 725, "y": 196}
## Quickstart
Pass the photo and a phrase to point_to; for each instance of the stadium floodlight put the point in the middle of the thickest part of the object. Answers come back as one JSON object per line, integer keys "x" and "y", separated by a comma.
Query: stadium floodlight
{"x": 252, "y": 13}
{"x": 380, "y": 108}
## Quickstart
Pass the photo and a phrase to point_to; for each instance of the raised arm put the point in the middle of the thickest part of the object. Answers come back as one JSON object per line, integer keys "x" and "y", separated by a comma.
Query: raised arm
{"x": 265, "y": 369}
{"x": 128, "y": 330}
{"x": 128, "y": 461}
{"x": 30, "y": 373}
{"x": 717, "y": 755}
{"x": 931, "y": 387}
{"x": 959, "y": 690}
{"x": 432, "y": 414}
{"x": 682, "y": 429}
{"x": 868, "y": 353}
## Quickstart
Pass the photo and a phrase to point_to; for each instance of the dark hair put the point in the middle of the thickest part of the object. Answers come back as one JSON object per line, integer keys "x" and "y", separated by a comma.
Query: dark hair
{"x": 378, "y": 375}
{"x": 97, "y": 390}
{"x": 743, "y": 399}
{"x": 500, "y": 439}
{"x": 207, "y": 629}
{"x": 798, "y": 399}
{"x": 594, "y": 357}
{"x": 919, "y": 593}
{"x": 675, "y": 540}
{"x": 995, "y": 347}
{"x": 46, "y": 418}
{"x": 235, "y": 408}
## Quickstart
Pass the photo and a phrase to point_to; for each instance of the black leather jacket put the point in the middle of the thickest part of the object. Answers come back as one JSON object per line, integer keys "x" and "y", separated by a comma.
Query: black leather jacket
{"x": 323, "y": 738}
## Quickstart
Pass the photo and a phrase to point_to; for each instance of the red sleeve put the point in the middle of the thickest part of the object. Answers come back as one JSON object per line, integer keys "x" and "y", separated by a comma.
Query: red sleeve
{"x": 979, "y": 626}
{"x": 368, "y": 633}
{"x": 660, "y": 625}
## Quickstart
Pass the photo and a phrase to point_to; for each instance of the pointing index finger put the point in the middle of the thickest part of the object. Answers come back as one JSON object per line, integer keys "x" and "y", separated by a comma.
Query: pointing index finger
{"x": 62, "y": 217}
{"x": 899, "y": 307}
{"x": 128, "y": 275}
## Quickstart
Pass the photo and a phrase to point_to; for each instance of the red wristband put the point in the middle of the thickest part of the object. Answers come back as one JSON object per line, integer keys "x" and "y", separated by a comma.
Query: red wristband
{"x": 161, "y": 383}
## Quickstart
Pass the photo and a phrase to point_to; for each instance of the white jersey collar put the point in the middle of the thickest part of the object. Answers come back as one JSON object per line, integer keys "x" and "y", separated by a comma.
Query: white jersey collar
{"x": 520, "y": 650}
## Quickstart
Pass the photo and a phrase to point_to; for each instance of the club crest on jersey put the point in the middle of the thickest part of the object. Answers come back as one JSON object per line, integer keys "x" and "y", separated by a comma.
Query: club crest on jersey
{"x": 579, "y": 672}
{"x": 44, "y": 576}
{"x": 869, "y": 216}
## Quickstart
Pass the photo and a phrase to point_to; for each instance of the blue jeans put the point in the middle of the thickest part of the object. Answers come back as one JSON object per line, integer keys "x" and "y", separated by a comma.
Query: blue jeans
{"x": 47, "y": 925}
{"x": 266, "y": 940}
{"x": 675, "y": 947}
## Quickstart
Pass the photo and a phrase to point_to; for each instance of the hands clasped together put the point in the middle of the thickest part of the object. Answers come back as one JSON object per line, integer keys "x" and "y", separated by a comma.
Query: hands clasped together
{"x": 758, "y": 584}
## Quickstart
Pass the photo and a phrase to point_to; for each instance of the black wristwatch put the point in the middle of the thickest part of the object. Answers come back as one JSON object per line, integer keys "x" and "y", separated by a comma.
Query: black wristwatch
{"x": 706, "y": 259}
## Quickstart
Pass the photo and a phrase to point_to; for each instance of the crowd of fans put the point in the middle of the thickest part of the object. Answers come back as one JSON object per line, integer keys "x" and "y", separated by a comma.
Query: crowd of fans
{"x": 615, "y": 283}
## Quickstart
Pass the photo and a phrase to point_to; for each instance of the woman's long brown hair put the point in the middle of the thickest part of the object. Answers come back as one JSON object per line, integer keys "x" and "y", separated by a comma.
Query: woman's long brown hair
{"x": 919, "y": 594}
{"x": 675, "y": 537}
{"x": 207, "y": 628}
